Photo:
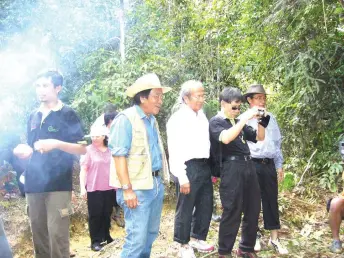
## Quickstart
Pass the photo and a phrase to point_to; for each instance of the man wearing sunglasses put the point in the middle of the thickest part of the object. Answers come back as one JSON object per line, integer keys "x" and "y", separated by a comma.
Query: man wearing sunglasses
{"x": 239, "y": 188}
{"x": 267, "y": 157}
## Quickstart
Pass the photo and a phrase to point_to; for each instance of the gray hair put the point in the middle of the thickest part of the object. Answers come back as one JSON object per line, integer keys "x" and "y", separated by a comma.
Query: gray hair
{"x": 185, "y": 91}
{"x": 186, "y": 88}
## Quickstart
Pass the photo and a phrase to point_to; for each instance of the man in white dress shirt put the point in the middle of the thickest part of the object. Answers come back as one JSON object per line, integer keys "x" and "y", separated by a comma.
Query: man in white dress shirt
{"x": 189, "y": 147}
{"x": 268, "y": 159}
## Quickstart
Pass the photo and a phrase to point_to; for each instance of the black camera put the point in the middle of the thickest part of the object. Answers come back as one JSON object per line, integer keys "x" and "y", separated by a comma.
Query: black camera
{"x": 261, "y": 112}
{"x": 341, "y": 148}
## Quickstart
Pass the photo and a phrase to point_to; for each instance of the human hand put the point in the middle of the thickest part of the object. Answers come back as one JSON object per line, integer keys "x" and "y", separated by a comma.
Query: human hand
{"x": 185, "y": 188}
{"x": 23, "y": 151}
{"x": 83, "y": 194}
{"x": 252, "y": 113}
{"x": 130, "y": 198}
{"x": 280, "y": 175}
{"x": 45, "y": 145}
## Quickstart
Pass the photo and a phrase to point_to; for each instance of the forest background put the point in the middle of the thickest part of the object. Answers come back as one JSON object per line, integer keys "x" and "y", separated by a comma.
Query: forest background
{"x": 293, "y": 47}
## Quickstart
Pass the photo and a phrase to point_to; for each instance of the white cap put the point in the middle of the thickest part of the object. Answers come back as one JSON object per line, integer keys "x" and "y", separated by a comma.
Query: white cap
{"x": 98, "y": 131}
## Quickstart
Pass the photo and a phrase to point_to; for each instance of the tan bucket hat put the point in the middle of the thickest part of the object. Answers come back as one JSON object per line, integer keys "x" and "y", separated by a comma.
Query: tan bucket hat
{"x": 146, "y": 82}
{"x": 255, "y": 89}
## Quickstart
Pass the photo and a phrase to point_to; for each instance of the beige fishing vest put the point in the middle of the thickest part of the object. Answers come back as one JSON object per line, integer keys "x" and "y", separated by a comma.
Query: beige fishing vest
{"x": 139, "y": 158}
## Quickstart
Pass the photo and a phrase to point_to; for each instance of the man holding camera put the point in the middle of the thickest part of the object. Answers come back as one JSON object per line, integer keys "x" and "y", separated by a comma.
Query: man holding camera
{"x": 239, "y": 188}
{"x": 267, "y": 157}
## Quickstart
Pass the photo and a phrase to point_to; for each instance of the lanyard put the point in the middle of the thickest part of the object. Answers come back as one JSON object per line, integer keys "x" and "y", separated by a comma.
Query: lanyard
{"x": 240, "y": 136}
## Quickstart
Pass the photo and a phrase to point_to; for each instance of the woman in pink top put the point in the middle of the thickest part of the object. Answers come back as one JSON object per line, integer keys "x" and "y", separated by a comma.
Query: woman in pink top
{"x": 94, "y": 186}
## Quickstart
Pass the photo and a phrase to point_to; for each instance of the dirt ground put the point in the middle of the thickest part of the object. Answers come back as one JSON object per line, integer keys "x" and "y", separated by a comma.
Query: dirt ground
{"x": 304, "y": 230}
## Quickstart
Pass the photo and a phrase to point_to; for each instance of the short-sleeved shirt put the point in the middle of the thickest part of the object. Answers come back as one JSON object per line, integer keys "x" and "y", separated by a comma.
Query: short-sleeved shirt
{"x": 97, "y": 164}
{"x": 121, "y": 137}
{"x": 52, "y": 171}
{"x": 237, "y": 147}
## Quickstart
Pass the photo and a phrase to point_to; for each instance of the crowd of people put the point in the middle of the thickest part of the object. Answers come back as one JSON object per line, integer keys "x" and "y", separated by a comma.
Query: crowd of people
{"x": 126, "y": 166}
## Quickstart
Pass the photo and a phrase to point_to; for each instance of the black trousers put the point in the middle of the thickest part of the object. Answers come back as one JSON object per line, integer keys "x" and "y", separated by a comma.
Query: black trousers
{"x": 193, "y": 211}
{"x": 239, "y": 193}
{"x": 99, "y": 205}
{"x": 268, "y": 183}
{"x": 115, "y": 204}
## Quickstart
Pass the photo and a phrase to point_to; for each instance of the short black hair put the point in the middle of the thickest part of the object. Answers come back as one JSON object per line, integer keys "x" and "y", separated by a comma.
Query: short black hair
{"x": 106, "y": 141}
{"x": 250, "y": 95}
{"x": 230, "y": 94}
{"x": 56, "y": 77}
{"x": 108, "y": 117}
{"x": 137, "y": 97}
{"x": 110, "y": 108}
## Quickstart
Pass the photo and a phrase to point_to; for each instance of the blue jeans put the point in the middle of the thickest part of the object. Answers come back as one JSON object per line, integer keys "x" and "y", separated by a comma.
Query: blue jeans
{"x": 142, "y": 223}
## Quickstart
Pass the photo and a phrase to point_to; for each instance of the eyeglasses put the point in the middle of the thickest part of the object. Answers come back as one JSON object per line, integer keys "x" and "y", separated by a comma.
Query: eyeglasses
{"x": 199, "y": 98}
{"x": 260, "y": 98}
{"x": 157, "y": 96}
{"x": 236, "y": 108}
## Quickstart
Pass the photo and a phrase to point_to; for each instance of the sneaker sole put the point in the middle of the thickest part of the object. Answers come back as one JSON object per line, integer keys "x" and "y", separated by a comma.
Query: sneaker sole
{"x": 204, "y": 251}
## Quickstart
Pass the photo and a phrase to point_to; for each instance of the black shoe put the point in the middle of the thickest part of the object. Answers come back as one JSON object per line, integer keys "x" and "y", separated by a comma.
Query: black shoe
{"x": 109, "y": 240}
{"x": 96, "y": 247}
{"x": 243, "y": 254}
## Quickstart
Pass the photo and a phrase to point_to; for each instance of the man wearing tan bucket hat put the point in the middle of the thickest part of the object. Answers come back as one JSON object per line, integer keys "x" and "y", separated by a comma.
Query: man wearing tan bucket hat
{"x": 139, "y": 165}
{"x": 267, "y": 157}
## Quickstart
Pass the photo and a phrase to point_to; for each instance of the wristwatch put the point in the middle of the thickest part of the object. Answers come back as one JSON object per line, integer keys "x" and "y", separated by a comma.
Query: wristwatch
{"x": 126, "y": 187}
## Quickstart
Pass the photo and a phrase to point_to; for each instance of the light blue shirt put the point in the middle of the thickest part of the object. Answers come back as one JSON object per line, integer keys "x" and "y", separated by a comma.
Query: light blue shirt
{"x": 271, "y": 146}
{"x": 121, "y": 137}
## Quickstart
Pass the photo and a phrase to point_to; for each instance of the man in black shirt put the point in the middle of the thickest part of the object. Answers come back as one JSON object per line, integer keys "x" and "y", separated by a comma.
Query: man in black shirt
{"x": 239, "y": 188}
{"x": 54, "y": 134}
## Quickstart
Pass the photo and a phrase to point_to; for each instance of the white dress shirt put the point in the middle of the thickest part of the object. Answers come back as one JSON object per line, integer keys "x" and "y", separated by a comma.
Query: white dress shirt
{"x": 271, "y": 146}
{"x": 187, "y": 138}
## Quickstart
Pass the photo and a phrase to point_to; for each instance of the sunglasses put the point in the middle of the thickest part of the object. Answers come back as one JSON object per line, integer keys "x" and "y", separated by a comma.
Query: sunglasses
{"x": 236, "y": 108}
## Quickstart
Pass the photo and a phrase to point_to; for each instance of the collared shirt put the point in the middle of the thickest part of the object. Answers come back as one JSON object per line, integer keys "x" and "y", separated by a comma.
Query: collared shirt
{"x": 237, "y": 147}
{"x": 121, "y": 136}
{"x": 45, "y": 112}
{"x": 97, "y": 164}
{"x": 271, "y": 146}
{"x": 187, "y": 138}
{"x": 52, "y": 171}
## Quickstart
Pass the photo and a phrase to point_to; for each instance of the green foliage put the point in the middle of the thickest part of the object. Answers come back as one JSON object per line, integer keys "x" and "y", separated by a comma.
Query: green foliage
{"x": 293, "y": 47}
{"x": 288, "y": 183}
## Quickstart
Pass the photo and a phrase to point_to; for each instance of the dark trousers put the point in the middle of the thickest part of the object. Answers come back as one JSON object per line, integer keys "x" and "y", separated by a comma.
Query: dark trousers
{"x": 99, "y": 205}
{"x": 239, "y": 193}
{"x": 115, "y": 204}
{"x": 267, "y": 177}
{"x": 193, "y": 211}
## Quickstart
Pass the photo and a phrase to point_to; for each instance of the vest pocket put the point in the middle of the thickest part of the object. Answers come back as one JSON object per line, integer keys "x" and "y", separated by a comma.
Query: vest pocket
{"x": 136, "y": 166}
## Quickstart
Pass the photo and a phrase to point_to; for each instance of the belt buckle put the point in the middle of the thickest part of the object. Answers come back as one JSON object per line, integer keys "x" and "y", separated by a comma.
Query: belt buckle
{"x": 264, "y": 161}
{"x": 246, "y": 158}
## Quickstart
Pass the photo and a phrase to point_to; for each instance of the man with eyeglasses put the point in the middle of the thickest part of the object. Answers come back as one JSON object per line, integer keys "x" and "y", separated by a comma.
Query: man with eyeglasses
{"x": 267, "y": 157}
{"x": 140, "y": 165}
{"x": 189, "y": 146}
{"x": 239, "y": 188}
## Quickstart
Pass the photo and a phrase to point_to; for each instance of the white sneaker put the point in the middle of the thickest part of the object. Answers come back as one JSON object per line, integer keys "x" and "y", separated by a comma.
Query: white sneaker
{"x": 278, "y": 246}
{"x": 201, "y": 246}
{"x": 257, "y": 246}
{"x": 186, "y": 251}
